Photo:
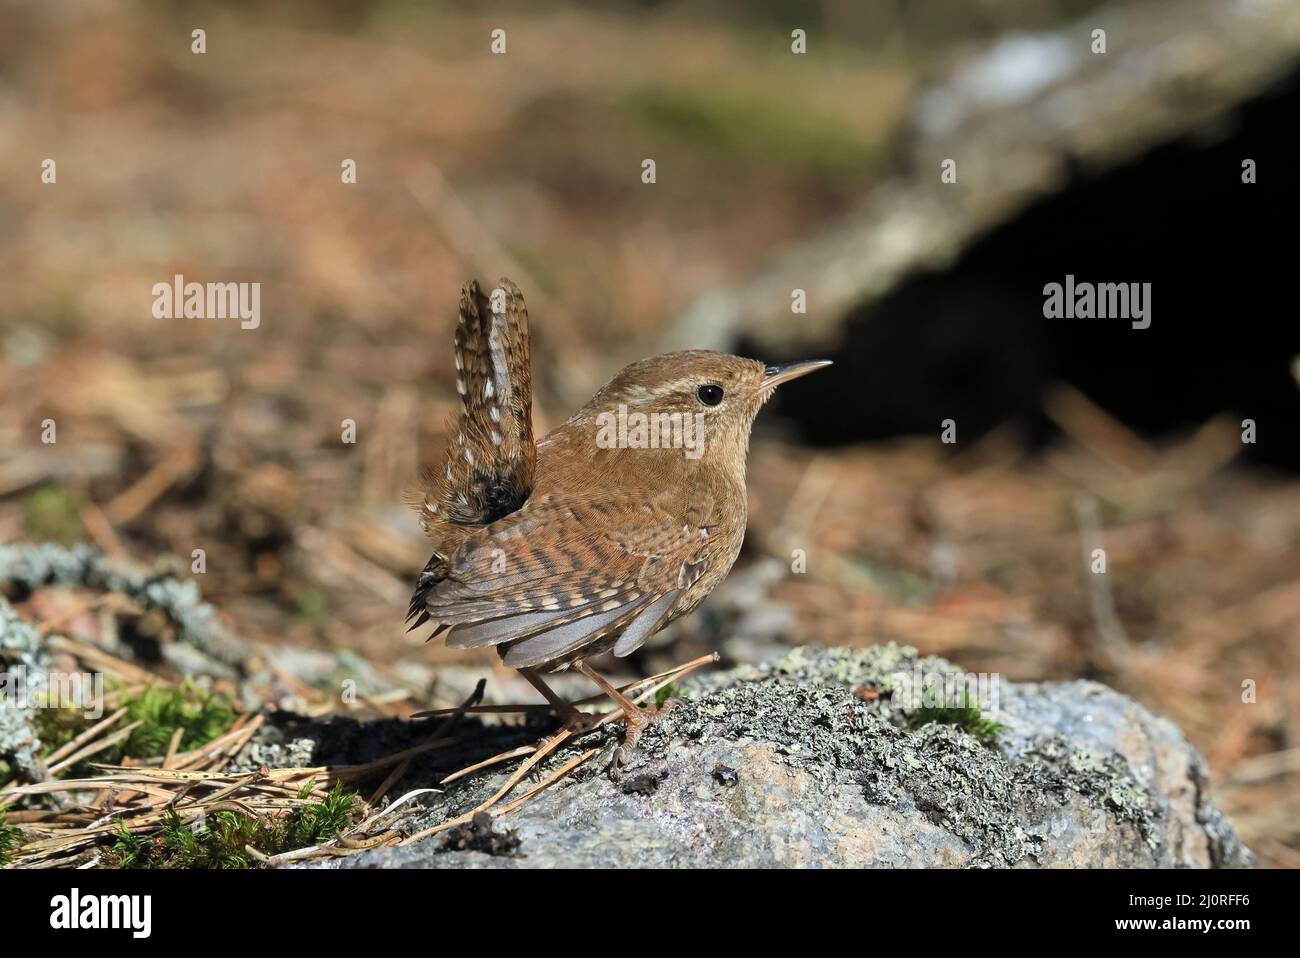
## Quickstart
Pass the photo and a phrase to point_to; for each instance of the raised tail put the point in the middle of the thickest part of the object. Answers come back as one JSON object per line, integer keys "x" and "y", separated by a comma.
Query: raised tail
{"x": 488, "y": 467}
{"x": 487, "y": 470}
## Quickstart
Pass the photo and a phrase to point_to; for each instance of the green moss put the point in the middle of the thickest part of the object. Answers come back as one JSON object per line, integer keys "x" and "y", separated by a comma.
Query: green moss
{"x": 222, "y": 840}
{"x": 10, "y": 838}
{"x": 320, "y": 821}
{"x": 669, "y": 691}
{"x": 57, "y": 727}
{"x": 967, "y": 716}
{"x": 202, "y": 716}
{"x": 53, "y": 513}
{"x": 161, "y": 710}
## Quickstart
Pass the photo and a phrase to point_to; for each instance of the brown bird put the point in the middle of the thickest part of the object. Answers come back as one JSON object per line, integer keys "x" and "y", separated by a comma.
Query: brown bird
{"x": 619, "y": 521}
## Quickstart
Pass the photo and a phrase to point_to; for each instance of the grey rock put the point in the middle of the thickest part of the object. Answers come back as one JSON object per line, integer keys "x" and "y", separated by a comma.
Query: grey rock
{"x": 811, "y": 763}
{"x": 22, "y": 650}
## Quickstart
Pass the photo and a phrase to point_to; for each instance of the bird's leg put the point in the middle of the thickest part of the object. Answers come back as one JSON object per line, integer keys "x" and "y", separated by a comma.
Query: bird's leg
{"x": 638, "y": 718}
{"x": 574, "y": 720}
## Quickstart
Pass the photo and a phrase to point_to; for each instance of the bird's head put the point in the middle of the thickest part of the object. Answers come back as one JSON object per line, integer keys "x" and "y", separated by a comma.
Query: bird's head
{"x": 697, "y": 402}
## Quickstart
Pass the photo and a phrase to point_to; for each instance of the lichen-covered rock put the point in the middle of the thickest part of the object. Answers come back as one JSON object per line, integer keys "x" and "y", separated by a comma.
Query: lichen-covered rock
{"x": 21, "y": 648}
{"x": 32, "y": 567}
{"x": 811, "y": 763}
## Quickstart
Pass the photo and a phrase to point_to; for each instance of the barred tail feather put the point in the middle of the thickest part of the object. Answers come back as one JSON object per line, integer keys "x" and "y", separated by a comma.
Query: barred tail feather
{"x": 488, "y": 470}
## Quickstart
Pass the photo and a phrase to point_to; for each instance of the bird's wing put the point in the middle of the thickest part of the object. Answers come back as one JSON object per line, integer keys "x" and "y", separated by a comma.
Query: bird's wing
{"x": 490, "y": 459}
{"x": 558, "y": 576}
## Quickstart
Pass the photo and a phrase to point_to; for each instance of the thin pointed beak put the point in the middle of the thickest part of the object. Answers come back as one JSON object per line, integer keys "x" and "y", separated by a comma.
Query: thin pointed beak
{"x": 773, "y": 376}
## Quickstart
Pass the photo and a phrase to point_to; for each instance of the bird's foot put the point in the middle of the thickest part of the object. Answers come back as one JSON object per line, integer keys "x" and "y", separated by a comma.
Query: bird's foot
{"x": 638, "y": 720}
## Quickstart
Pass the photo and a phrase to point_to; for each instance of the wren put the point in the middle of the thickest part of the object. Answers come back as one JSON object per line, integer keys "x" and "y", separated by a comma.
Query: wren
{"x": 597, "y": 536}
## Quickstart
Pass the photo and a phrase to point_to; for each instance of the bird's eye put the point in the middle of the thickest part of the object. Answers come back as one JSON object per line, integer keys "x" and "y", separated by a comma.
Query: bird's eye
{"x": 709, "y": 394}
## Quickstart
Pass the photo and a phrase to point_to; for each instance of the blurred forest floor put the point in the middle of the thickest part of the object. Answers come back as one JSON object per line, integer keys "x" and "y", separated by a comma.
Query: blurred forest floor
{"x": 176, "y": 435}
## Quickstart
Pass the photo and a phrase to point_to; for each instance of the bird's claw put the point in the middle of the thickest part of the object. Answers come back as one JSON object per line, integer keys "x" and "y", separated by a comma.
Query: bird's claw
{"x": 637, "y": 722}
